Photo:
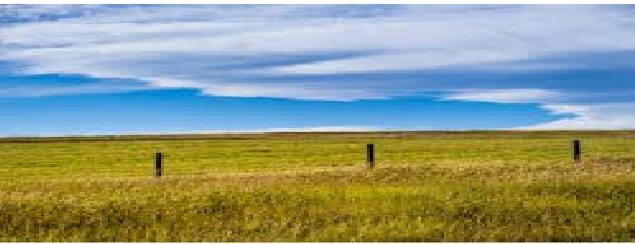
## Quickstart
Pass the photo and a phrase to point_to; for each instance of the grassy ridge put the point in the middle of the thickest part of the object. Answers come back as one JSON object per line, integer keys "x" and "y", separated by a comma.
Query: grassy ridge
{"x": 310, "y": 187}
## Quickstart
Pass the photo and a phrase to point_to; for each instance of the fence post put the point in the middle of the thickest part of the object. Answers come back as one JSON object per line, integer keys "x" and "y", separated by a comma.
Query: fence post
{"x": 158, "y": 161}
{"x": 576, "y": 151}
{"x": 370, "y": 155}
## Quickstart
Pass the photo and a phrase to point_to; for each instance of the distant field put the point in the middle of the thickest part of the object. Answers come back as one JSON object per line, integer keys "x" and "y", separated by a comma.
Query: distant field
{"x": 453, "y": 186}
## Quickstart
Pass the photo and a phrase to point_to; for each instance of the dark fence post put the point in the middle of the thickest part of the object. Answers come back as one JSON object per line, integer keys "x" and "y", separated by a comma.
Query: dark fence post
{"x": 158, "y": 161}
{"x": 576, "y": 151}
{"x": 370, "y": 155}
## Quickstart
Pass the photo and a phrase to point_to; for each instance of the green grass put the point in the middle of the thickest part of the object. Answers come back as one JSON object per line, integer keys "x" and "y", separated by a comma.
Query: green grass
{"x": 428, "y": 186}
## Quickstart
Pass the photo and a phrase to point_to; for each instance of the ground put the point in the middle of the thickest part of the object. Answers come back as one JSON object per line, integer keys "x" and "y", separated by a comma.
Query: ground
{"x": 427, "y": 186}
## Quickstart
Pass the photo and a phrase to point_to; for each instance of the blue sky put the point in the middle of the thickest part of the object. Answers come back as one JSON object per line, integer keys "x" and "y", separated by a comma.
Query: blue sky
{"x": 95, "y": 69}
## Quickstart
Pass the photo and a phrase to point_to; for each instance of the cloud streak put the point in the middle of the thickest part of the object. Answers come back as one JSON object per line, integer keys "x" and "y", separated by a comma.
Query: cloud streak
{"x": 339, "y": 53}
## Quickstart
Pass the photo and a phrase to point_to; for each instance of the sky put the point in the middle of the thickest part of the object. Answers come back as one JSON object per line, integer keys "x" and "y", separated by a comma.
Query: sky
{"x": 138, "y": 69}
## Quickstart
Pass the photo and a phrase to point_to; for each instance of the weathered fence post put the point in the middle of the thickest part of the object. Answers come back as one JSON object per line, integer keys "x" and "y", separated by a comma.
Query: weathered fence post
{"x": 576, "y": 151}
{"x": 158, "y": 161}
{"x": 370, "y": 155}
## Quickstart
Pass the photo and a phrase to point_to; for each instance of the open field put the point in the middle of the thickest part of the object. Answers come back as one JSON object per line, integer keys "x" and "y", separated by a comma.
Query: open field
{"x": 459, "y": 186}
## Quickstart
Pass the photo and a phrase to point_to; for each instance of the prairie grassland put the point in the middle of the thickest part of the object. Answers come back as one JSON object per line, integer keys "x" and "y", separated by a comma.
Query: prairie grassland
{"x": 428, "y": 186}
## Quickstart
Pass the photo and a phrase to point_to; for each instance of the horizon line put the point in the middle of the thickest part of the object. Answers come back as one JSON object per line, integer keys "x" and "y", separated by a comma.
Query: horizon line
{"x": 264, "y": 132}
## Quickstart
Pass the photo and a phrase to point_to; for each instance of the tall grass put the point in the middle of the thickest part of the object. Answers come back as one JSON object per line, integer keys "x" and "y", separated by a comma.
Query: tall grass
{"x": 314, "y": 187}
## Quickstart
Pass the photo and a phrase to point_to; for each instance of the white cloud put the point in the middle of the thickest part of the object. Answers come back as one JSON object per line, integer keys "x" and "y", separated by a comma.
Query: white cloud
{"x": 595, "y": 116}
{"x": 415, "y": 39}
{"x": 506, "y": 95}
{"x": 49, "y": 90}
{"x": 220, "y": 49}
{"x": 458, "y": 38}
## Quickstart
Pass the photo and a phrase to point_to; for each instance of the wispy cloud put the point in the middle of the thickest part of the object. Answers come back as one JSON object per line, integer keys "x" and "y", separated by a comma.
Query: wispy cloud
{"x": 594, "y": 116}
{"x": 505, "y": 95}
{"x": 339, "y": 52}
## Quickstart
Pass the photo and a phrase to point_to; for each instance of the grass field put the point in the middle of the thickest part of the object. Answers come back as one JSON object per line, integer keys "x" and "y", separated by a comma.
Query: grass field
{"x": 427, "y": 186}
